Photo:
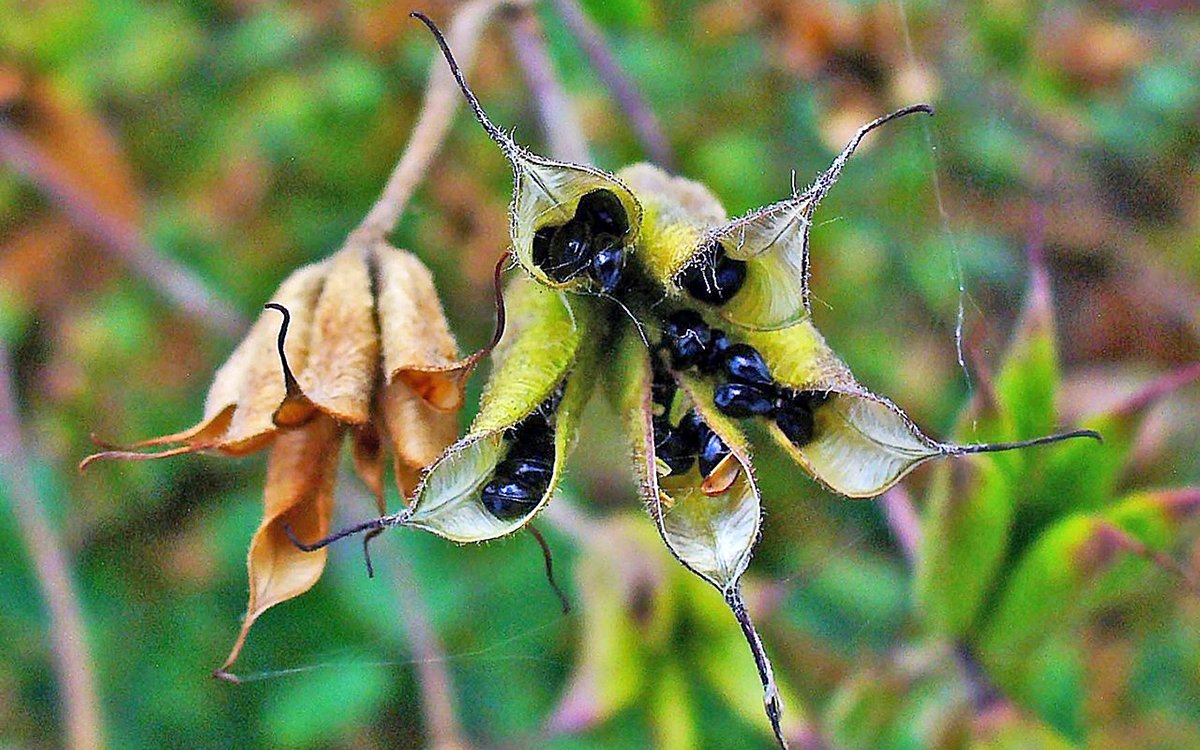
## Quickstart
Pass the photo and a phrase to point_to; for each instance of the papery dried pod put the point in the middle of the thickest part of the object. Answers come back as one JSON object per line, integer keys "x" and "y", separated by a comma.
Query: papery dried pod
{"x": 861, "y": 443}
{"x": 363, "y": 347}
{"x": 335, "y": 350}
{"x": 525, "y": 426}
{"x": 711, "y": 530}
{"x": 546, "y": 208}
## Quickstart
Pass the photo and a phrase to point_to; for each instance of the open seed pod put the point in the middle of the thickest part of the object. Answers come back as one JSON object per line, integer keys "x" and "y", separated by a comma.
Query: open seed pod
{"x": 561, "y": 213}
{"x": 709, "y": 523}
{"x": 753, "y": 269}
{"x": 861, "y": 444}
{"x": 496, "y": 478}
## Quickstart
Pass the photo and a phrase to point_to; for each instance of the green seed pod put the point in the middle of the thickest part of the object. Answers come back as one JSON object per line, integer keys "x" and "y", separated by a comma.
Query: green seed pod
{"x": 550, "y": 342}
{"x": 546, "y": 193}
{"x": 709, "y": 524}
{"x": 685, "y": 225}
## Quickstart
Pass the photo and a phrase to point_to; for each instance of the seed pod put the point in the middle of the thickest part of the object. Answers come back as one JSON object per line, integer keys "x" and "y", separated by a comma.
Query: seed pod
{"x": 710, "y": 524}
{"x": 550, "y": 343}
{"x": 549, "y": 194}
{"x": 861, "y": 443}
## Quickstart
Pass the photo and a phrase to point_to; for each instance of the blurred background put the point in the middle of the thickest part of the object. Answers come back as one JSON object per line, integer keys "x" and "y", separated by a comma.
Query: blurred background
{"x": 163, "y": 166}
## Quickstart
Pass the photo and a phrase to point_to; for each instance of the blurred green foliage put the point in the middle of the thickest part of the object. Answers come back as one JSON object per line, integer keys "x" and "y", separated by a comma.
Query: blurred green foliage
{"x": 246, "y": 139}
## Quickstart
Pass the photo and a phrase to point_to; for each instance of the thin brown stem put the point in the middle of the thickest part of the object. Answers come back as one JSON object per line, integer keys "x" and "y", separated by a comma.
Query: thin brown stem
{"x": 563, "y": 131}
{"x": 437, "y": 688}
{"x": 68, "y": 641}
{"x": 629, "y": 99}
{"x": 175, "y": 283}
{"x": 437, "y": 114}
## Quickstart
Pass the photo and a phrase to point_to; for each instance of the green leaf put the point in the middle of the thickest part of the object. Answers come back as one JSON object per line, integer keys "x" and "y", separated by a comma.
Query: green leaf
{"x": 672, "y": 716}
{"x": 1028, "y": 380}
{"x": 1067, "y": 570}
{"x": 964, "y": 538}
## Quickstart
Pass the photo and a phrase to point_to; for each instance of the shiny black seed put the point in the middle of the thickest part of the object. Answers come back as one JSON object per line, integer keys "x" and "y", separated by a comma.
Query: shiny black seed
{"x": 507, "y": 499}
{"x": 532, "y": 472}
{"x": 741, "y": 400}
{"x": 603, "y": 212}
{"x": 607, "y": 265}
{"x": 745, "y": 365}
{"x": 675, "y": 450}
{"x": 714, "y": 282}
{"x": 542, "y": 239}
{"x": 713, "y": 450}
{"x": 693, "y": 427}
{"x": 716, "y": 352}
{"x": 570, "y": 251}
{"x": 687, "y": 337}
{"x": 796, "y": 422}
{"x": 533, "y": 436}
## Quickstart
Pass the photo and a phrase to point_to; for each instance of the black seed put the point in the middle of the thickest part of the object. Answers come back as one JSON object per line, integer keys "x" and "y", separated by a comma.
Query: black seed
{"x": 533, "y": 472}
{"x": 687, "y": 337}
{"x": 711, "y": 454}
{"x": 796, "y": 423}
{"x": 607, "y": 265}
{"x": 533, "y": 436}
{"x": 742, "y": 400}
{"x": 570, "y": 251}
{"x": 716, "y": 352}
{"x": 745, "y": 365}
{"x": 542, "y": 240}
{"x": 662, "y": 392}
{"x": 674, "y": 450}
{"x": 693, "y": 427}
{"x": 716, "y": 281}
{"x": 507, "y": 499}
{"x": 603, "y": 212}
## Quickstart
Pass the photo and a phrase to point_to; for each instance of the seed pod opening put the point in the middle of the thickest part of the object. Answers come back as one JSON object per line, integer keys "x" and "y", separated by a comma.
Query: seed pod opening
{"x": 494, "y": 480}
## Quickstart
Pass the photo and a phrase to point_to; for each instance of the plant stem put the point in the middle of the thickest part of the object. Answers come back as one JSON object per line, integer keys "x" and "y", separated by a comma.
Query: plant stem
{"x": 437, "y": 114}
{"x": 629, "y": 99}
{"x": 174, "y": 282}
{"x": 68, "y": 641}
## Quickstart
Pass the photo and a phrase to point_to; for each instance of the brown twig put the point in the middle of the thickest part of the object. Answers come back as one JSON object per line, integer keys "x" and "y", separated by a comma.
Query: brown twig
{"x": 437, "y": 113}
{"x": 561, "y": 127}
{"x": 437, "y": 689}
{"x": 629, "y": 99}
{"x": 81, "y": 705}
{"x": 124, "y": 242}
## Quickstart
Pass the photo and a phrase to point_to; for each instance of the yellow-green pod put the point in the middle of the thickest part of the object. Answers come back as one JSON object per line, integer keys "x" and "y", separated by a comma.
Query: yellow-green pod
{"x": 550, "y": 343}
{"x": 862, "y": 443}
{"x": 546, "y": 192}
{"x": 685, "y": 225}
{"x": 710, "y": 524}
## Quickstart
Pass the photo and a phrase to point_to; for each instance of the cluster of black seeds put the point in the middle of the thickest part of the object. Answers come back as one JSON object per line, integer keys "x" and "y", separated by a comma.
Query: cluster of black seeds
{"x": 690, "y": 440}
{"x": 715, "y": 281}
{"x": 592, "y": 242}
{"x": 745, "y": 387}
{"x": 521, "y": 479}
